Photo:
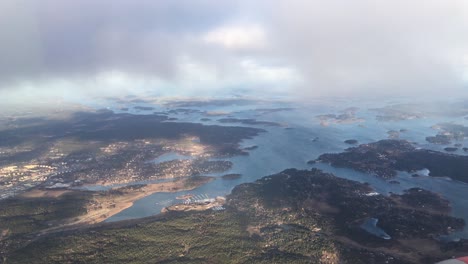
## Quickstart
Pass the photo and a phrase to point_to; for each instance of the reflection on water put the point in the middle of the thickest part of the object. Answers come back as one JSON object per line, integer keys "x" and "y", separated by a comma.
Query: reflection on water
{"x": 306, "y": 139}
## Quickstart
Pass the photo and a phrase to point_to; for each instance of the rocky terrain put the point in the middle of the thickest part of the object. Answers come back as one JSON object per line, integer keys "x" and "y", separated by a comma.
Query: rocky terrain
{"x": 296, "y": 216}
{"x": 384, "y": 158}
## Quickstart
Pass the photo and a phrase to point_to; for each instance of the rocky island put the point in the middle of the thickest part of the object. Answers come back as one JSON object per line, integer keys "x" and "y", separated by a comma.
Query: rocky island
{"x": 249, "y": 121}
{"x": 447, "y": 133}
{"x": 346, "y": 116}
{"x": 384, "y": 158}
{"x": 351, "y": 141}
{"x": 232, "y": 176}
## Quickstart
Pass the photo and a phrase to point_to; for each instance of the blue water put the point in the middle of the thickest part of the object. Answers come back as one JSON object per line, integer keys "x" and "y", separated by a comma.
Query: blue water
{"x": 305, "y": 140}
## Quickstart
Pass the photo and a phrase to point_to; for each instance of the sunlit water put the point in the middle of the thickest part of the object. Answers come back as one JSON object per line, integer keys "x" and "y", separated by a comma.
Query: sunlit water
{"x": 305, "y": 139}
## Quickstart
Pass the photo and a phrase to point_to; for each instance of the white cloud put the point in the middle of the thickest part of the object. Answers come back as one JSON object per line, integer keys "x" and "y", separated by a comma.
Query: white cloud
{"x": 316, "y": 47}
{"x": 237, "y": 37}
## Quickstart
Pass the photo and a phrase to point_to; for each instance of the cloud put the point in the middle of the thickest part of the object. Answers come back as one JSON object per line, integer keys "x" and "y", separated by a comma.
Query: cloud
{"x": 304, "y": 48}
{"x": 381, "y": 47}
{"x": 72, "y": 39}
{"x": 237, "y": 37}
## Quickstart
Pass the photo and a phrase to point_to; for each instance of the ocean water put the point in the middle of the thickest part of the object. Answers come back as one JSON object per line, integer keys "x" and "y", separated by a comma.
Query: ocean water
{"x": 304, "y": 139}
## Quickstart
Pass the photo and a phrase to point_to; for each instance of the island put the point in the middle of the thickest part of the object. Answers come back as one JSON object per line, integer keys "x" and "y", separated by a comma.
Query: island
{"x": 144, "y": 108}
{"x": 448, "y": 133}
{"x": 351, "y": 141}
{"x": 346, "y": 116}
{"x": 232, "y": 176}
{"x": 450, "y": 149}
{"x": 249, "y": 121}
{"x": 384, "y": 158}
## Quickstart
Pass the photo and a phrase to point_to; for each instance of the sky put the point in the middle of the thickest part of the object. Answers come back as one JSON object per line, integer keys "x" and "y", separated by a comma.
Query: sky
{"x": 299, "y": 49}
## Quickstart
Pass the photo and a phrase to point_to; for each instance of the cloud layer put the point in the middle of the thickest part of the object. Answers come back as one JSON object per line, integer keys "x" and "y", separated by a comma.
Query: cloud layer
{"x": 324, "y": 48}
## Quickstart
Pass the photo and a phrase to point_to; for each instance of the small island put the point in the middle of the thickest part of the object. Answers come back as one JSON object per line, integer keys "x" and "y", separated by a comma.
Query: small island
{"x": 384, "y": 158}
{"x": 144, "y": 108}
{"x": 351, "y": 141}
{"x": 249, "y": 121}
{"x": 450, "y": 149}
{"x": 233, "y": 176}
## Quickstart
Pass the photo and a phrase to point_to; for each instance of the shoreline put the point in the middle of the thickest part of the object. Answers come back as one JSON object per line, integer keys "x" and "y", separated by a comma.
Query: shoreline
{"x": 105, "y": 204}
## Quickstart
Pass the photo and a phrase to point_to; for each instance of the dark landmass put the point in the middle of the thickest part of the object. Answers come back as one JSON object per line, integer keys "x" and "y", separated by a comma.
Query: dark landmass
{"x": 248, "y": 121}
{"x": 233, "y": 176}
{"x": 458, "y": 145}
{"x": 291, "y": 217}
{"x": 394, "y": 182}
{"x": 272, "y": 110}
{"x": 439, "y": 139}
{"x": 205, "y": 119}
{"x": 144, "y": 108}
{"x": 384, "y": 158}
{"x": 108, "y": 148}
{"x": 124, "y": 109}
{"x": 107, "y": 126}
{"x": 25, "y": 215}
{"x": 450, "y": 149}
{"x": 393, "y": 134}
{"x": 465, "y": 149}
{"x": 351, "y": 141}
{"x": 184, "y": 111}
{"x": 160, "y": 113}
{"x": 448, "y": 133}
{"x": 420, "y": 198}
{"x": 42, "y": 211}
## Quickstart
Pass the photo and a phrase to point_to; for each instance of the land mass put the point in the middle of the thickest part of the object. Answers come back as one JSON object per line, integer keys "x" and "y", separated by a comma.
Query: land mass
{"x": 384, "y": 158}
{"x": 103, "y": 147}
{"x": 232, "y": 176}
{"x": 346, "y": 116}
{"x": 43, "y": 211}
{"x": 447, "y": 133}
{"x": 296, "y": 216}
{"x": 249, "y": 121}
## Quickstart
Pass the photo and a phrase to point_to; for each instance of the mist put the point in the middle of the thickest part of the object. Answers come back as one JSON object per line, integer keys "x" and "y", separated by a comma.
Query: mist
{"x": 296, "y": 49}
